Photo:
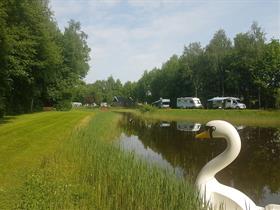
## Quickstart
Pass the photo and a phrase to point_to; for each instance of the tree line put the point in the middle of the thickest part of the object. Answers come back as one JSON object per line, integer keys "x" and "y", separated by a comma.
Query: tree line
{"x": 39, "y": 64}
{"x": 247, "y": 67}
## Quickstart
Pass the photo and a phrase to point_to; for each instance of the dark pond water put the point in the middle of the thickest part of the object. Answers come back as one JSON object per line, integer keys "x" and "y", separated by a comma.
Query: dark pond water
{"x": 172, "y": 145}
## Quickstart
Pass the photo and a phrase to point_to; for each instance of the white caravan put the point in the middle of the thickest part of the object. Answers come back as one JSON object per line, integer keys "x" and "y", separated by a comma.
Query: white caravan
{"x": 188, "y": 102}
{"x": 226, "y": 103}
{"x": 162, "y": 103}
{"x": 76, "y": 104}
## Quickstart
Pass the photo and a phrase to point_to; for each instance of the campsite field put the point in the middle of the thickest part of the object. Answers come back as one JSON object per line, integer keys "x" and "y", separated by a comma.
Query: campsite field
{"x": 69, "y": 160}
{"x": 262, "y": 118}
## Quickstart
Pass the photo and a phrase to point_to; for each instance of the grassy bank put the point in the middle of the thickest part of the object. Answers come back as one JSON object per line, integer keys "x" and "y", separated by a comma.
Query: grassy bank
{"x": 242, "y": 117}
{"x": 88, "y": 172}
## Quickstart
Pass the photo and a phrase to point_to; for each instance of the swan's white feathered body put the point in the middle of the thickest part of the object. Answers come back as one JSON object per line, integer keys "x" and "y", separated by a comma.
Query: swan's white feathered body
{"x": 212, "y": 192}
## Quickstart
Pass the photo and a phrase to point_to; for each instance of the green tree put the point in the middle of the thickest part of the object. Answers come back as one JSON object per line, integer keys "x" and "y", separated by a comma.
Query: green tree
{"x": 74, "y": 65}
{"x": 143, "y": 89}
{"x": 248, "y": 52}
{"x": 128, "y": 90}
{"x": 23, "y": 17}
{"x": 76, "y": 50}
{"x": 4, "y": 74}
{"x": 193, "y": 60}
{"x": 267, "y": 73}
{"x": 217, "y": 50}
{"x": 39, "y": 65}
{"x": 170, "y": 81}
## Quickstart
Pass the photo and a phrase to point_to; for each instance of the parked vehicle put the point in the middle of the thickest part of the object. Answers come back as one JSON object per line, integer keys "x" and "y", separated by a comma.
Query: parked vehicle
{"x": 103, "y": 104}
{"x": 162, "y": 103}
{"x": 76, "y": 104}
{"x": 225, "y": 103}
{"x": 188, "y": 102}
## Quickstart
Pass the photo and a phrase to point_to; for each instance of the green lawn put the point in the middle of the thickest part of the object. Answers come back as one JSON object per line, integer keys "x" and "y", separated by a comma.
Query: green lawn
{"x": 69, "y": 160}
{"x": 27, "y": 140}
{"x": 242, "y": 117}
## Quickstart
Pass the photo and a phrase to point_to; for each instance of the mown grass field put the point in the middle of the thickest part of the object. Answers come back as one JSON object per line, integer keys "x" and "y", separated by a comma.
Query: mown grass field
{"x": 262, "y": 118}
{"x": 26, "y": 141}
{"x": 69, "y": 160}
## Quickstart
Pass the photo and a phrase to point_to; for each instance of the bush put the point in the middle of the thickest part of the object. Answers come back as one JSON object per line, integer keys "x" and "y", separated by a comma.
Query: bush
{"x": 64, "y": 105}
{"x": 1, "y": 112}
{"x": 2, "y": 108}
{"x": 277, "y": 102}
{"x": 147, "y": 108}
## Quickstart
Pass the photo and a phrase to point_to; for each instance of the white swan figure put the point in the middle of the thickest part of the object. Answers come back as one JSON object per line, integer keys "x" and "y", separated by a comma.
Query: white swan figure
{"x": 213, "y": 193}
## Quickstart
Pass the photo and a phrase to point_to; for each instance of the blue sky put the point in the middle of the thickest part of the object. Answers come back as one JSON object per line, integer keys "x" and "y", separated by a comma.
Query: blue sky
{"x": 127, "y": 37}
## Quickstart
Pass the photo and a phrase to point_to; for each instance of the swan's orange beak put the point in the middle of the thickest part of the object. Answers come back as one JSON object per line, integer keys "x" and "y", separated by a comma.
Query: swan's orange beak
{"x": 203, "y": 135}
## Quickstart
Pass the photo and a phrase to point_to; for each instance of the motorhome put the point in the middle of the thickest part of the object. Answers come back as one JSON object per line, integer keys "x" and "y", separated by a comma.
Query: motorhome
{"x": 162, "y": 103}
{"x": 188, "y": 102}
{"x": 225, "y": 103}
{"x": 76, "y": 104}
{"x": 103, "y": 104}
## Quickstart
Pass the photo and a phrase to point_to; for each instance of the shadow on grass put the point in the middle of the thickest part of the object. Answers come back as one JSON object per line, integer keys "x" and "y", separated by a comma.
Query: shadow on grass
{"x": 6, "y": 119}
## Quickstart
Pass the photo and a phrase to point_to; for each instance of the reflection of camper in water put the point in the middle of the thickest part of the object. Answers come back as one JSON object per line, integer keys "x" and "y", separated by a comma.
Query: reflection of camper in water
{"x": 188, "y": 126}
{"x": 164, "y": 124}
{"x": 240, "y": 127}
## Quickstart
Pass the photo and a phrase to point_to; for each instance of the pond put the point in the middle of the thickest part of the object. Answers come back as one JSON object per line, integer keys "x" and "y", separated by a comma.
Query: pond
{"x": 172, "y": 145}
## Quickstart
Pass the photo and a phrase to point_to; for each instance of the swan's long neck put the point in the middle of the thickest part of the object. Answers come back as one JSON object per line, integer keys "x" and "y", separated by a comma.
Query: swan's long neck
{"x": 222, "y": 160}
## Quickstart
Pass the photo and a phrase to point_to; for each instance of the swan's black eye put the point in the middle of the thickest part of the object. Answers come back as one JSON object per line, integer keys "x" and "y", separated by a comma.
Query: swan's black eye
{"x": 210, "y": 130}
{"x": 213, "y": 128}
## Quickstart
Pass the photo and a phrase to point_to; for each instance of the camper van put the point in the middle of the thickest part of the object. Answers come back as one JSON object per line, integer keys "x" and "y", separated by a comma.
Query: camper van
{"x": 76, "y": 104}
{"x": 162, "y": 103}
{"x": 225, "y": 103}
{"x": 188, "y": 102}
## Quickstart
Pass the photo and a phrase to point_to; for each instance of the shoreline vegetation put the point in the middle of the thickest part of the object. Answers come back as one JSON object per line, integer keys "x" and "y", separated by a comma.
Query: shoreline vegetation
{"x": 86, "y": 170}
{"x": 261, "y": 118}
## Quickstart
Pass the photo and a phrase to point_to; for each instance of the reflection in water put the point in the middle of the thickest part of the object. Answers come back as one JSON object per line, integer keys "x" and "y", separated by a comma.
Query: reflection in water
{"x": 256, "y": 171}
{"x": 164, "y": 124}
{"x": 133, "y": 144}
{"x": 188, "y": 126}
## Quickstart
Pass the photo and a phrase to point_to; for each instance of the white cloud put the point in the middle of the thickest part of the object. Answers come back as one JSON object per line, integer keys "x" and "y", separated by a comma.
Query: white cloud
{"x": 65, "y": 9}
{"x": 138, "y": 48}
{"x": 130, "y": 36}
